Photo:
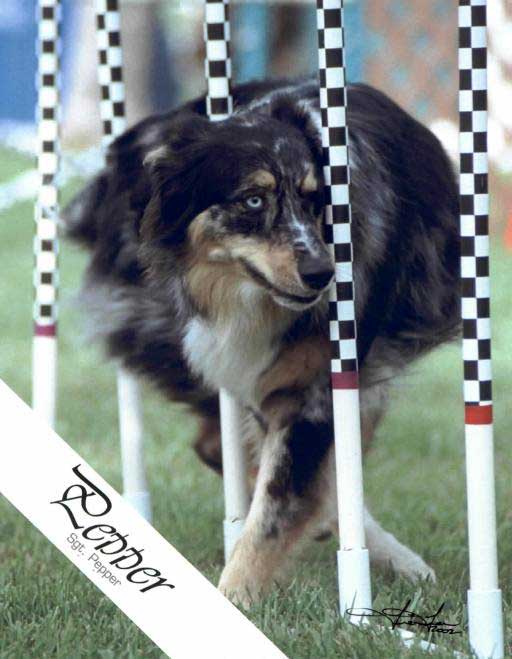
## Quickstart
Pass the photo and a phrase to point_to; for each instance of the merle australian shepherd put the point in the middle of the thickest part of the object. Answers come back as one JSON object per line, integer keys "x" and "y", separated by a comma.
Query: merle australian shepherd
{"x": 209, "y": 270}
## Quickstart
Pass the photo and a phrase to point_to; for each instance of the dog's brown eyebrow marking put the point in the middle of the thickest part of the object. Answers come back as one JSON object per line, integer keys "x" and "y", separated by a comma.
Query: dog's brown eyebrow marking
{"x": 309, "y": 183}
{"x": 262, "y": 178}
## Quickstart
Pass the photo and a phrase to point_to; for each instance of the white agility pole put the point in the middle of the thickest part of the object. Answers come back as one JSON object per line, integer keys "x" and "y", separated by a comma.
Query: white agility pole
{"x": 219, "y": 105}
{"x": 44, "y": 349}
{"x": 234, "y": 471}
{"x": 484, "y": 596}
{"x": 112, "y": 111}
{"x": 353, "y": 558}
{"x": 131, "y": 431}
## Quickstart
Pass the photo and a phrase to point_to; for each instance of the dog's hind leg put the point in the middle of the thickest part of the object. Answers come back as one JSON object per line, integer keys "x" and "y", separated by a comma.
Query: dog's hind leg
{"x": 387, "y": 551}
{"x": 384, "y": 548}
{"x": 284, "y": 511}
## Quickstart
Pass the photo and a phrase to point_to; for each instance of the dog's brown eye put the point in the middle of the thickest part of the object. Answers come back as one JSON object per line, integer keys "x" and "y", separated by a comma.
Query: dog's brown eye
{"x": 254, "y": 202}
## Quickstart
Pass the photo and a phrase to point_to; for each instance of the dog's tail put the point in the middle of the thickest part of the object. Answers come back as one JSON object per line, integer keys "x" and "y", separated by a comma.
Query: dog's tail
{"x": 80, "y": 217}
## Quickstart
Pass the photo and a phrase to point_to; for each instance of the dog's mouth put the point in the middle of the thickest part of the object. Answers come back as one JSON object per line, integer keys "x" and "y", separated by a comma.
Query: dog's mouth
{"x": 283, "y": 298}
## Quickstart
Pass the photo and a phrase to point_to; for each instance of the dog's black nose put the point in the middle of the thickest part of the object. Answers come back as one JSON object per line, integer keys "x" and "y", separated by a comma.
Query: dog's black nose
{"x": 315, "y": 271}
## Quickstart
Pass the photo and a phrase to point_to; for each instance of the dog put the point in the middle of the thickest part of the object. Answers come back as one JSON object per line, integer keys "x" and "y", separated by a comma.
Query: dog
{"x": 209, "y": 269}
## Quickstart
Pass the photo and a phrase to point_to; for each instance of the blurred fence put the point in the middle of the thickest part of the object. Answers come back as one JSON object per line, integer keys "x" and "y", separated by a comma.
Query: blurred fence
{"x": 411, "y": 53}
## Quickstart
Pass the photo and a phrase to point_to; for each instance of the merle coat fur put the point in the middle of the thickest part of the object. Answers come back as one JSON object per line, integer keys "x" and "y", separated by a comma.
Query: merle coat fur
{"x": 209, "y": 269}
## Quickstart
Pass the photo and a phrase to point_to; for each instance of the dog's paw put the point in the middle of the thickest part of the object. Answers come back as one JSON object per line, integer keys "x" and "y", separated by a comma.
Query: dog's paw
{"x": 414, "y": 568}
{"x": 238, "y": 591}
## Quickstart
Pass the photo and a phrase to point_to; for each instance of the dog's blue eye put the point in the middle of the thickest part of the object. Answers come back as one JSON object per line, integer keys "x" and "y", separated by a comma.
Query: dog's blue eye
{"x": 254, "y": 202}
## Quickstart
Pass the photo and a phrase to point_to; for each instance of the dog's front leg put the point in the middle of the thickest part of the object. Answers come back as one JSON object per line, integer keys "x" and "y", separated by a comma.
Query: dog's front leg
{"x": 283, "y": 511}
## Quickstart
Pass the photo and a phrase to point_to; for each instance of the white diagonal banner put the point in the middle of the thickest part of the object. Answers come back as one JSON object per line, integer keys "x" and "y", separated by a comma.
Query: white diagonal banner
{"x": 129, "y": 561}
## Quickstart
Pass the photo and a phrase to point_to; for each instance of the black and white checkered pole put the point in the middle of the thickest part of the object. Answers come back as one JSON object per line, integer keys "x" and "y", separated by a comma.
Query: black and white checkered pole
{"x": 353, "y": 560}
{"x": 44, "y": 360}
{"x": 110, "y": 69}
{"x": 219, "y": 105}
{"x": 484, "y": 596}
{"x": 219, "y": 102}
{"x": 112, "y": 111}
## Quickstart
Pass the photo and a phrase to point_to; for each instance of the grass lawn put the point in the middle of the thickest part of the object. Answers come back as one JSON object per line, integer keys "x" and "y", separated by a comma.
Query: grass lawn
{"x": 414, "y": 482}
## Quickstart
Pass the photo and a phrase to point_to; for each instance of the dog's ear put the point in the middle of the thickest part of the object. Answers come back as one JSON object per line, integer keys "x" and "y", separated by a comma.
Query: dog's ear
{"x": 176, "y": 171}
{"x": 301, "y": 114}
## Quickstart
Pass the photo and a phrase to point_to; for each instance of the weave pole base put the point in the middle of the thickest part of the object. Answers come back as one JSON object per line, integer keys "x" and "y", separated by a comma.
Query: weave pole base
{"x": 44, "y": 377}
{"x": 355, "y": 593}
{"x": 354, "y": 582}
{"x": 486, "y": 623}
{"x": 409, "y": 639}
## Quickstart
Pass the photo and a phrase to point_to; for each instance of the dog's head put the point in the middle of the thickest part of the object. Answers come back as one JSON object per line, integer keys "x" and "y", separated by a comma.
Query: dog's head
{"x": 239, "y": 205}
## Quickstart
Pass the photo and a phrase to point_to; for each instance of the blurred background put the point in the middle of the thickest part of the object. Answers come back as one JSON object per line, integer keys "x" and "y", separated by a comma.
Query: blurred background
{"x": 407, "y": 48}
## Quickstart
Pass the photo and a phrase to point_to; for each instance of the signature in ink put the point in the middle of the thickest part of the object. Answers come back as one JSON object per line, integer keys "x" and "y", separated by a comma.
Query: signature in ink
{"x": 402, "y": 617}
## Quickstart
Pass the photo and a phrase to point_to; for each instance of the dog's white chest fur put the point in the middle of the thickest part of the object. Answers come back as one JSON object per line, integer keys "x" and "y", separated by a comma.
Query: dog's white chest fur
{"x": 228, "y": 356}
